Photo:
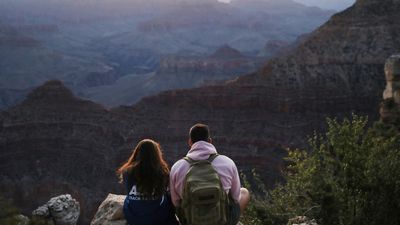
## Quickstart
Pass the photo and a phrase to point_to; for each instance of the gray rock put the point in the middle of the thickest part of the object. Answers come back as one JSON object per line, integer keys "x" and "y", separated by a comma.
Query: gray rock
{"x": 22, "y": 220}
{"x": 42, "y": 211}
{"x": 63, "y": 210}
{"x": 390, "y": 107}
{"x": 302, "y": 220}
{"x": 392, "y": 73}
{"x": 110, "y": 212}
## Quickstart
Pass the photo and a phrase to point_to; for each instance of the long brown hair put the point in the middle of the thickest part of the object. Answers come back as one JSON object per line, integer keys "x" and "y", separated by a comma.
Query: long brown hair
{"x": 148, "y": 168}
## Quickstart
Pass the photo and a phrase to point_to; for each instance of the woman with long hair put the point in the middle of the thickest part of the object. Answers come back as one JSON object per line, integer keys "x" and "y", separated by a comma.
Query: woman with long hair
{"x": 146, "y": 177}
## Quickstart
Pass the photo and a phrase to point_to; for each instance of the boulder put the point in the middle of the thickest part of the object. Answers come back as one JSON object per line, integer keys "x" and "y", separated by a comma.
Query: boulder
{"x": 42, "y": 211}
{"x": 110, "y": 212}
{"x": 22, "y": 220}
{"x": 63, "y": 210}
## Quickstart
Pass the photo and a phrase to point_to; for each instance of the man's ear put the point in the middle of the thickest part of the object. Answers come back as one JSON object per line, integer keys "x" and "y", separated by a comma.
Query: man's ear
{"x": 210, "y": 140}
{"x": 190, "y": 143}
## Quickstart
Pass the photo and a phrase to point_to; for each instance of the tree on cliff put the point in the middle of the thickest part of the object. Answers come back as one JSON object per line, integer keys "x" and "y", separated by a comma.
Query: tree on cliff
{"x": 350, "y": 175}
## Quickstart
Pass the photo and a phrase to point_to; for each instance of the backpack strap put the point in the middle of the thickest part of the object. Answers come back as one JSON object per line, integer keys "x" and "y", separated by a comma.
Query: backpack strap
{"x": 192, "y": 161}
{"x": 189, "y": 160}
{"x": 212, "y": 157}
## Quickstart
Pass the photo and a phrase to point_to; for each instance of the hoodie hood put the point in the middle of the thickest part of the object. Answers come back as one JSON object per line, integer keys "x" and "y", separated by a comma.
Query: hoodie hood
{"x": 201, "y": 150}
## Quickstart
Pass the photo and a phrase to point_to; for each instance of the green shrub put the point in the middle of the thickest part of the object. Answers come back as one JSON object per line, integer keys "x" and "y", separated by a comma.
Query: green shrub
{"x": 350, "y": 175}
{"x": 8, "y": 212}
{"x": 39, "y": 221}
{"x": 251, "y": 216}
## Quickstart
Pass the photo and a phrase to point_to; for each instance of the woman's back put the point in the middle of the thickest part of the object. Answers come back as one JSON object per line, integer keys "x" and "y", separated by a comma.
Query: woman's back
{"x": 145, "y": 176}
{"x": 141, "y": 210}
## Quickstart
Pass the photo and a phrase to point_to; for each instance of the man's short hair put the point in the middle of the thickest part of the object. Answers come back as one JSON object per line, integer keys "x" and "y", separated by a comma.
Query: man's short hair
{"x": 199, "y": 132}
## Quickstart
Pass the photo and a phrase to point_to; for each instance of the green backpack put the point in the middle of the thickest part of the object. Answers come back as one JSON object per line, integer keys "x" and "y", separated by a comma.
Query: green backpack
{"x": 204, "y": 200}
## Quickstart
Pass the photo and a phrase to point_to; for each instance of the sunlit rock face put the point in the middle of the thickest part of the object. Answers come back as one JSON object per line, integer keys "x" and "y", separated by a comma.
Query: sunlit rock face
{"x": 392, "y": 74}
{"x": 390, "y": 107}
{"x": 110, "y": 211}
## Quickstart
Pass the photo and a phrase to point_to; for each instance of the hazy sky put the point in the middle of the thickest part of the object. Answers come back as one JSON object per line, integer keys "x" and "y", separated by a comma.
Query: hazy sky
{"x": 325, "y": 4}
{"x": 328, "y": 4}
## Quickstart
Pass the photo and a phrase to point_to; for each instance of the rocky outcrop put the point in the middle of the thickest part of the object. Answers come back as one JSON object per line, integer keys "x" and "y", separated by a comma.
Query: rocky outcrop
{"x": 62, "y": 210}
{"x": 392, "y": 74}
{"x": 110, "y": 212}
{"x": 390, "y": 107}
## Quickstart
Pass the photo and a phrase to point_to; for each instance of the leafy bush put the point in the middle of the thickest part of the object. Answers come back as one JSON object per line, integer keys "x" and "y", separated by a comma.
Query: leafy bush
{"x": 9, "y": 215}
{"x": 255, "y": 209}
{"x": 39, "y": 221}
{"x": 349, "y": 176}
{"x": 8, "y": 212}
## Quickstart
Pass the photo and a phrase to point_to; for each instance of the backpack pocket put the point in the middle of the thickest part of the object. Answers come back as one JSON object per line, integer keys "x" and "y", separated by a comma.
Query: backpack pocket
{"x": 206, "y": 207}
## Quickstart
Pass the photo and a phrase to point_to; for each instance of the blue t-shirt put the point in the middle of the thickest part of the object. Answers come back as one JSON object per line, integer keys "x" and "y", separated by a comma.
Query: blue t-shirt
{"x": 139, "y": 210}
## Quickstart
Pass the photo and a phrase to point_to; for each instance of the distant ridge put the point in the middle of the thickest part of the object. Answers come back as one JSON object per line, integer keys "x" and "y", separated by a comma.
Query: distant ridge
{"x": 53, "y": 89}
{"x": 227, "y": 51}
{"x": 54, "y": 96}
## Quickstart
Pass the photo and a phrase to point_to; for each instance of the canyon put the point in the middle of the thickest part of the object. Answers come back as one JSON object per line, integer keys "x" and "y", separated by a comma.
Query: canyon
{"x": 54, "y": 142}
{"x": 98, "y": 47}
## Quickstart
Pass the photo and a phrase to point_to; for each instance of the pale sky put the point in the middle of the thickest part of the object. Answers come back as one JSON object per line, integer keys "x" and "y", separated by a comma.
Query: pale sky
{"x": 325, "y": 4}
{"x": 328, "y": 4}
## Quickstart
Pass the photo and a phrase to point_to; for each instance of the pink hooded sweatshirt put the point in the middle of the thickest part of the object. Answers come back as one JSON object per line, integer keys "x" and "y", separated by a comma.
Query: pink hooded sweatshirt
{"x": 224, "y": 166}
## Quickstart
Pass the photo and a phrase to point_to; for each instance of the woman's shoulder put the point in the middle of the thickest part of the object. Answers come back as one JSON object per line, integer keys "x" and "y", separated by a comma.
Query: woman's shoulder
{"x": 128, "y": 180}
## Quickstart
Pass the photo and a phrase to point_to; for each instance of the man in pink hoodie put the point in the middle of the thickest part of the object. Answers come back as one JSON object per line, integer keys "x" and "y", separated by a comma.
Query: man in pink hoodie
{"x": 201, "y": 148}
